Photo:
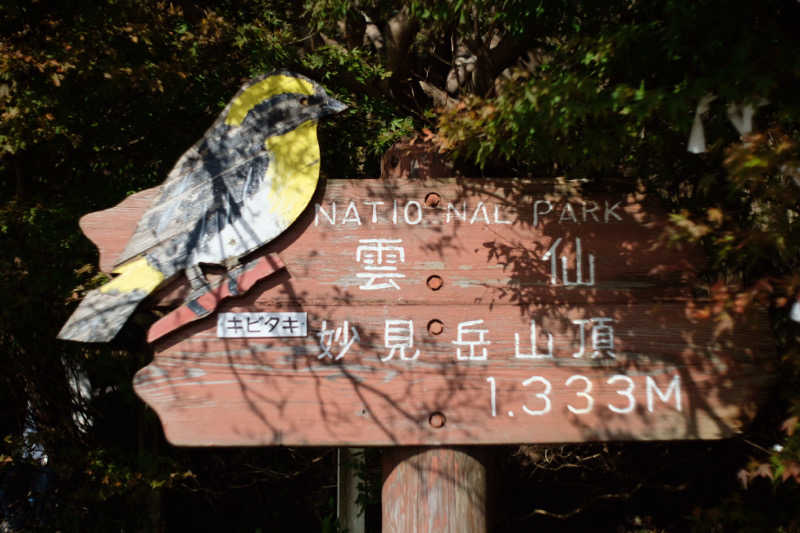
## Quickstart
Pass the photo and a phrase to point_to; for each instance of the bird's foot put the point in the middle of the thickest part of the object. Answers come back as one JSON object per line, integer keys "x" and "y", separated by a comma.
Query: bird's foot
{"x": 202, "y": 301}
{"x": 197, "y": 280}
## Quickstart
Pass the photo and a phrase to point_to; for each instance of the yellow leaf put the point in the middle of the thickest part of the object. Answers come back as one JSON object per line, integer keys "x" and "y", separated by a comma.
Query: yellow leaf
{"x": 764, "y": 470}
{"x": 715, "y": 215}
{"x": 790, "y": 425}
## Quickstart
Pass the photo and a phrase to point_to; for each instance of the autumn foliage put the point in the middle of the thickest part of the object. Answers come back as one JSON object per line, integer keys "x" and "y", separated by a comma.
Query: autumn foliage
{"x": 98, "y": 100}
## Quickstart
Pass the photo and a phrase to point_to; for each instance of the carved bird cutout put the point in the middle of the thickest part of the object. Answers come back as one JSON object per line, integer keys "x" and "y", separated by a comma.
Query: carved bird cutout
{"x": 240, "y": 186}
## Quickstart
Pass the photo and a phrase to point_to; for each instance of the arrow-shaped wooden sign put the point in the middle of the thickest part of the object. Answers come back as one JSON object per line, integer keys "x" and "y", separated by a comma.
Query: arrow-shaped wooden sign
{"x": 458, "y": 311}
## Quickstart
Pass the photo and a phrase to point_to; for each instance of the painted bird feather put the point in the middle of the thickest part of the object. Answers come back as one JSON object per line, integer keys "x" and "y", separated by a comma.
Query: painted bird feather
{"x": 239, "y": 187}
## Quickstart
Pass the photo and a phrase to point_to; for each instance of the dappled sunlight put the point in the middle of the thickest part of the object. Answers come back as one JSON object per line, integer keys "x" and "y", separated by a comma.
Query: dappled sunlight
{"x": 512, "y": 344}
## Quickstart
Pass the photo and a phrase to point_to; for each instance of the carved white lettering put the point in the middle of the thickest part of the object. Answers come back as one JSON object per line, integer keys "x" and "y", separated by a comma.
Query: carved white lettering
{"x": 452, "y": 210}
{"x": 537, "y": 213}
{"x": 584, "y": 393}
{"x": 480, "y": 208}
{"x": 351, "y": 214}
{"x": 319, "y": 209}
{"x": 543, "y": 395}
{"x": 374, "y": 205}
{"x": 628, "y": 393}
{"x": 590, "y": 211}
{"x": 497, "y": 219}
{"x": 609, "y": 212}
{"x": 567, "y": 213}
{"x": 673, "y": 388}
{"x": 418, "y": 218}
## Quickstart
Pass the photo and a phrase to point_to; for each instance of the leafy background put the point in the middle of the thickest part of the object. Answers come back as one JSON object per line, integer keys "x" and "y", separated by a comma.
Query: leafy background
{"x": 98, "y": 99}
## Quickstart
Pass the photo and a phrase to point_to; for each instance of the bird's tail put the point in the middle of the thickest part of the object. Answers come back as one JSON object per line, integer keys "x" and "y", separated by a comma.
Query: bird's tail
{"x": 104, "y": 311}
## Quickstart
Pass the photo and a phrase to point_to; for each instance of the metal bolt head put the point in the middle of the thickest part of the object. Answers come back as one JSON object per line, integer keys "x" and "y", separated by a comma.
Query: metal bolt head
{"x": 435, "y": 327}
{"x": 437, "y": 420}
{"x": 432, "y": 199}
{"x": 435, "y": 282}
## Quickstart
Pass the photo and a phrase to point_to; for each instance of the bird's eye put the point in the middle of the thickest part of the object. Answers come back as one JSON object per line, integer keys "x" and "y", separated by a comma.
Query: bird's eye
{"x": 304, "y": 101}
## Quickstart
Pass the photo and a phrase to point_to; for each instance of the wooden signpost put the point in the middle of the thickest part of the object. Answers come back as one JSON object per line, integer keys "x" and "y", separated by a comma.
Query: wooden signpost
{"x": 421, "y": 312}
{"x": 408, "y": 311}
{"x": 459, "y": 311}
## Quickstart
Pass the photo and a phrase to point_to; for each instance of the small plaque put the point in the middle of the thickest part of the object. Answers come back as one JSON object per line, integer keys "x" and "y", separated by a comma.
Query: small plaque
{"x": 254, "y": 325}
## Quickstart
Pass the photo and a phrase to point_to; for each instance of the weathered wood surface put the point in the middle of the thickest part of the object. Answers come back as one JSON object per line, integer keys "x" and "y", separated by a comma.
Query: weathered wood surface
{"x": 237, "y": 281}
{"x": 111, "y": 229}
{"x": 474, "y": 256}
{"x": 433, "y": 490}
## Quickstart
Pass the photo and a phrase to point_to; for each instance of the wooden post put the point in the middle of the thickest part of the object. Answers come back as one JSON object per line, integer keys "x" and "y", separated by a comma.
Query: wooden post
{"x": 351, "y": 519}
{"x": 427, "y": 489}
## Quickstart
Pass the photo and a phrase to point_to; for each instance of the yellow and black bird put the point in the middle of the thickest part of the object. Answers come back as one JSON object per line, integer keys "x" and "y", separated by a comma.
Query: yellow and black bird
{"x": 240, "y": 186}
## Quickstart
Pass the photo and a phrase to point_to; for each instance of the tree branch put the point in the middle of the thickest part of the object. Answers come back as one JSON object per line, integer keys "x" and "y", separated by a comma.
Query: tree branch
{"x": 399, "y": 31}
{"x": 440, "y": 98}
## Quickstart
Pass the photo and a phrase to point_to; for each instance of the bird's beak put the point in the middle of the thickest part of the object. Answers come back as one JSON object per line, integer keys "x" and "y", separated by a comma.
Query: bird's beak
{"x": 332, "y": 106}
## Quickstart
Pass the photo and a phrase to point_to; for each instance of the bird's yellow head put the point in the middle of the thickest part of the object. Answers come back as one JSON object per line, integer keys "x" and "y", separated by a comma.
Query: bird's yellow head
{"x": 278, "y": 112}
{"x": 288, "y": 98}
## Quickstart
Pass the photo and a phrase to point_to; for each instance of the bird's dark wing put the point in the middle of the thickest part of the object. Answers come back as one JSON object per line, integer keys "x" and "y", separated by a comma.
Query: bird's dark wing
{"x": 222, "y": 156}
{"x": 184, "y": 217}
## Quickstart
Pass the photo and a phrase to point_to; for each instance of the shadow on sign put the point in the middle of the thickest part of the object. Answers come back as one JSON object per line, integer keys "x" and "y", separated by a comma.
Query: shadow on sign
{"x": 455, "y": 311}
